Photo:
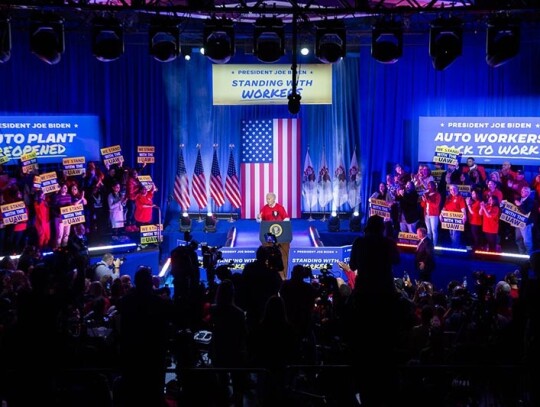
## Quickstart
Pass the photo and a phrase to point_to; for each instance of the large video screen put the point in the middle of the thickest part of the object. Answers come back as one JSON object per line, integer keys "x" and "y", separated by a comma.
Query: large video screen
{"x": 490, "y": 140}
{"x": 52, "y": 138}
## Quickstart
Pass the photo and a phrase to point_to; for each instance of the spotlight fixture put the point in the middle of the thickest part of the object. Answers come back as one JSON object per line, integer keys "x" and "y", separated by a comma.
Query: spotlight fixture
{"x": 107, "y": 39}
{"x": 502, "y": 43}
{"x": 185, "y": 223}
{"x": 269, "y": 39}
{"x": 445, "y": 41}
{"x": 355, "y": 224}
{"x": 47, "y": 38}
{"x": 210, "y": 223}
{"x": 387, "y": 41}
{"x": 333, "y": 222}
{"x": 218, "y": 40}
{"x": 5, "y": 39}
{"x": 164, "y": 40}
{"x": 330, "y": 41}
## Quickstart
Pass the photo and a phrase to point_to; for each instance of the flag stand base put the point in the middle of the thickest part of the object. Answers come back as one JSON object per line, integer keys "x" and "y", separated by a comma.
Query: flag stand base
{"x": 311, "y": 218}
{"x": 231, "y": 220}
{"x": 323, "y": 219}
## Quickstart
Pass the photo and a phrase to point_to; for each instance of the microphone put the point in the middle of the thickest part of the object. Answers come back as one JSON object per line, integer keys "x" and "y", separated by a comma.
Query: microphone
{"x": 275, "y": 213}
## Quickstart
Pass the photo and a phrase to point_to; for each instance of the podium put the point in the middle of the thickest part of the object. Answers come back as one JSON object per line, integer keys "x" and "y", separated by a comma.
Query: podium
{"x": 282, "y": 230}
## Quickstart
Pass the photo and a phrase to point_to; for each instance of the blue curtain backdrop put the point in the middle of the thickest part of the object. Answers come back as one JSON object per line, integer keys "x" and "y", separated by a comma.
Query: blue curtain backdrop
{"x": 375, "y": 106}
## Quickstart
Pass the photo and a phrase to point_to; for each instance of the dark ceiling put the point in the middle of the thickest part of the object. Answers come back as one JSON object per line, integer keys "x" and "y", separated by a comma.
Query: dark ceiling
{"x": 358, "y": 15}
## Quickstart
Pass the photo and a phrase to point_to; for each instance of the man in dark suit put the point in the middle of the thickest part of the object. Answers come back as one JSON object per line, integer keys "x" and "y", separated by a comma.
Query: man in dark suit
{"x": 425, "y": 256}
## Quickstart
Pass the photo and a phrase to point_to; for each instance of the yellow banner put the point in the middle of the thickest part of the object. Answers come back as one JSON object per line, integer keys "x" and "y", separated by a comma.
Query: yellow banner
{"x": 270, "y": 84}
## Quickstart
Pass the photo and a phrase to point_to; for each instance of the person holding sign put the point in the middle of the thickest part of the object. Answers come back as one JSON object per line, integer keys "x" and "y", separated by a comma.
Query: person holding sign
{"x": 61, "y": 199}
{"x": 455, "y": 203}
{"x": 524, "y": 236}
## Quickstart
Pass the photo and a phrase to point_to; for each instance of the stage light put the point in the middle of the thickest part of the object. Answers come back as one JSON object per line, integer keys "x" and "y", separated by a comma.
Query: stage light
{"x": 218, "y": 40}
{"x": 502, "y": 43}
{"x": 445, "y": 41}
{"x": 47, "y": 38}
{"x": 164, "y": 40}
{"x": 333, "y": 222}
{"x": 304, "y": 51}
{"x": 210, "y": 223}
{"x": 107, "y": 39}
{"x": 355, "y": 223}
{"x": 186, "y": 51}
{"x": 294, "y": 103}
{"x": 330, "y": 41}
{"x": 185, "y": 222}
{"x": 387, "y": 41}
{"x": 269, "y": 39}
{"x": 5, "y": 39}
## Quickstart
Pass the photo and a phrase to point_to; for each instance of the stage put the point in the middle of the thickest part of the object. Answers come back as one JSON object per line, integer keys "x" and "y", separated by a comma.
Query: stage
{"x": 312, "y": 245}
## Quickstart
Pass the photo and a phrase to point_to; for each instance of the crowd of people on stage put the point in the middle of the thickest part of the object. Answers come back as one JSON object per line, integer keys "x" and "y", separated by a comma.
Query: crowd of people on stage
{"x": 417, "y": 199}
{"x": 115, "y": 202}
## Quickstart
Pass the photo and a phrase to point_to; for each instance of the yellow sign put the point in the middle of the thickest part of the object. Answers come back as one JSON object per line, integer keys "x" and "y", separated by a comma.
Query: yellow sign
{"x": 270, "y": 84}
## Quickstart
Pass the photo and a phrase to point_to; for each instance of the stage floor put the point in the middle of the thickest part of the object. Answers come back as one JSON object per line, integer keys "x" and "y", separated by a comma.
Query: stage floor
{"x": 449, "y": 265}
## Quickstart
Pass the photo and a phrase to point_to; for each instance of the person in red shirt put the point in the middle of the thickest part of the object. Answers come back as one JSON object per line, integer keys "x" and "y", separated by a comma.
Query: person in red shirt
{"x": 490, "y": 221}
{"x": 144, "y": 205}
{"x": 42, "y": 220}
{"x": 272, "y": 211}
{"x": 475, "y": 218}
{"x": 455, "y": 203}
{"x": 431, "y": 202}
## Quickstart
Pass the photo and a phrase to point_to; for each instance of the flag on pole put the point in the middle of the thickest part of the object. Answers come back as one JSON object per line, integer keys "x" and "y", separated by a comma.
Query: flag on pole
{"x": 353, "y": 185}
{"x": 340, "y": 184}
{"x": 232, "y": 187}
{"x": 181, "y": 183}
{"x": 198, "y": 188}
{"x": 270, "y": 163}
{"x": 324, "y": 183}
{"x": 309, "y": 183}
{"x": 216, "y": 183}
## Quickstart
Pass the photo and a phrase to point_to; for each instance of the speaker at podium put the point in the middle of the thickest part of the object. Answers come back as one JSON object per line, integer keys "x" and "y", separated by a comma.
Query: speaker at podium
{"x": 277, "y": 232}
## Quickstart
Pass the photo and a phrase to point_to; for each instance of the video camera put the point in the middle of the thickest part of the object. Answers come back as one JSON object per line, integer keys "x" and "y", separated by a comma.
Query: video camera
{"x": 324, "y": 280}
{"x": 211, "y": 255}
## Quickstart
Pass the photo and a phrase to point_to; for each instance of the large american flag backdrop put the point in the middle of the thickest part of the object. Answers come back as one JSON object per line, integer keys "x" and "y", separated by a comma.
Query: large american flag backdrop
{"x": 270, "y": 163}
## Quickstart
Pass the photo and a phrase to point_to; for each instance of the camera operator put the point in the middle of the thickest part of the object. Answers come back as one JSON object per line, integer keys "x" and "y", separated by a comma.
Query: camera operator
{"x": 281, "y": 253}
{"x": 108, "y": 268}
{"x": 188, "y": 291}
{"x": 299, "y": 297}
{"x": 261, "y": 280}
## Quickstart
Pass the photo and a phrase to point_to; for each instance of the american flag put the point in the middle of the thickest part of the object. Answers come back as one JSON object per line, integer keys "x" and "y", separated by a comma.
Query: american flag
{"x": 232, "y": 187}
{"x": 270, "y": 163}
{"x": 181, "y": 183}
{"x": 199, "y": 183}
{"x": 216, "y": 184}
